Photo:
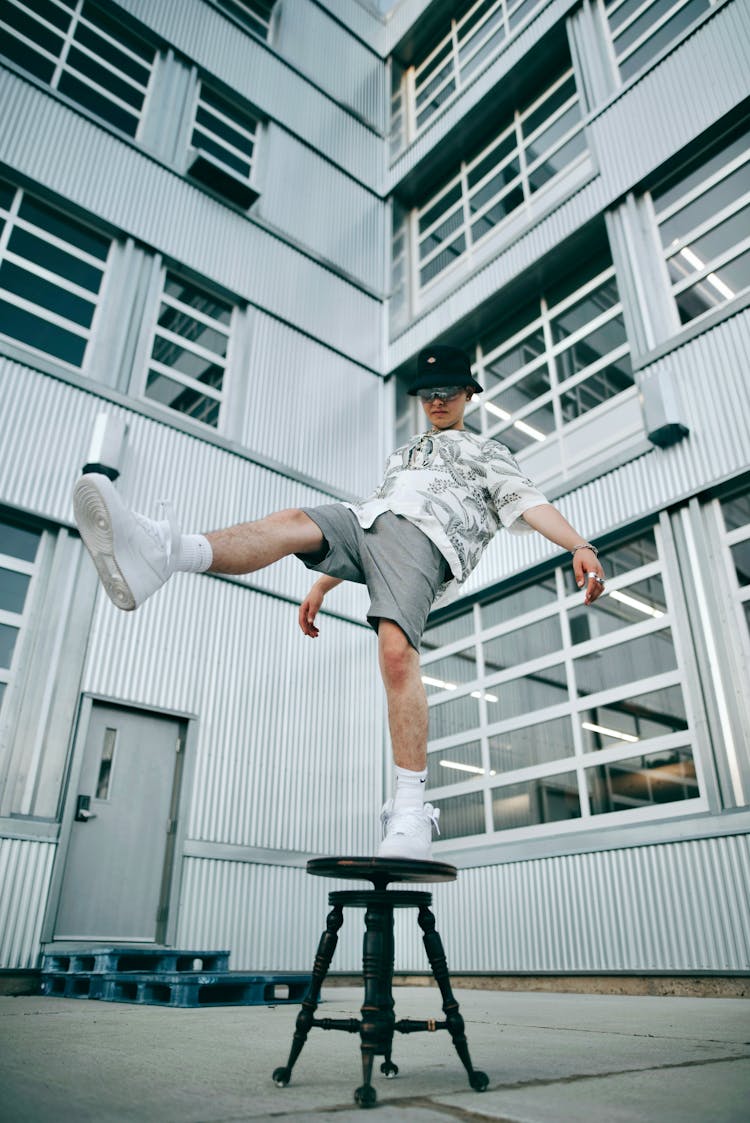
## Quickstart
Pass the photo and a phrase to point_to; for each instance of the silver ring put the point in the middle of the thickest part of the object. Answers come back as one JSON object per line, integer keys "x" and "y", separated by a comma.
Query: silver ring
{"x": 596, "y": 578}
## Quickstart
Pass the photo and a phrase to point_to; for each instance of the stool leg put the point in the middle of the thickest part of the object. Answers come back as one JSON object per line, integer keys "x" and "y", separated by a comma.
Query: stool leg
{"x": 323, "y": 958}
{"x": 436, "y": 955}
{"x": 376, "y": 1031}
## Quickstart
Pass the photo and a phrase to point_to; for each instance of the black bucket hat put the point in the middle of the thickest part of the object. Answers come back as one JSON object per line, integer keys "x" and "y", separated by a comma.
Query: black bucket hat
{"x": 443, "y": 366}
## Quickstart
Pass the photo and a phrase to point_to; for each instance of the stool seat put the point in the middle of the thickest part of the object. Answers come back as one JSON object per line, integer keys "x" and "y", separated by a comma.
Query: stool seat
{"x": 378, "y": 1024}
{"x": 381, "y": 871}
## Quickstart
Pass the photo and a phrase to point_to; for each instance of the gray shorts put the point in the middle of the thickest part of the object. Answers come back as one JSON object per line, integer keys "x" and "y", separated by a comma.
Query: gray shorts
{"x": 401, "y": 567}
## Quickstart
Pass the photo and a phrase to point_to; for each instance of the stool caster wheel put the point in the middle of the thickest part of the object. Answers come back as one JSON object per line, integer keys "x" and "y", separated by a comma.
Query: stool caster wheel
{"x": 366, "y": 1096}
{"x": 479, "y": 1080}
{"x": 281, "y": 1077}
{"x": 389, "y": 1070}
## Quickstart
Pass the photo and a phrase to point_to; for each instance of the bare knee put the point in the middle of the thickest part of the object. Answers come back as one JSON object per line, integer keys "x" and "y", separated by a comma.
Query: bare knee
{"x": 399, "y": 661}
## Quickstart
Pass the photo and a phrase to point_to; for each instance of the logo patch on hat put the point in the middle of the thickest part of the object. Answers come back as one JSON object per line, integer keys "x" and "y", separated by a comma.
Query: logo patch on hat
{"x": 431, "y": 359}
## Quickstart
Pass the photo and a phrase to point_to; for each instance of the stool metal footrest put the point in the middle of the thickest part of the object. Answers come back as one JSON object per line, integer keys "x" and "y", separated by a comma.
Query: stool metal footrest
{"x": 378, "y": 1023}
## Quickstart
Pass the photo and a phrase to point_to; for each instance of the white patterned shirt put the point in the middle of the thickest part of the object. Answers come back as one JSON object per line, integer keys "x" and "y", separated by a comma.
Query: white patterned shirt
{"x": 458, "y": 488}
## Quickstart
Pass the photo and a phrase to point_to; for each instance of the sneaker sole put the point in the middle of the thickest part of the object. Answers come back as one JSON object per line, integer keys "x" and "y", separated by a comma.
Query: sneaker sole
{"x": 95, "y": 524}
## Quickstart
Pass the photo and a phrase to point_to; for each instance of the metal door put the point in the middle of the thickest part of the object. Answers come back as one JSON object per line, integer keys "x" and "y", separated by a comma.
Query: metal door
{"x": 116, "y": 877}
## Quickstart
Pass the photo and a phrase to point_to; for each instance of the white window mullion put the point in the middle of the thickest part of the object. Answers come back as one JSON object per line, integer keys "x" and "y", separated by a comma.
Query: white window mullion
{"x": 67, "y": 44}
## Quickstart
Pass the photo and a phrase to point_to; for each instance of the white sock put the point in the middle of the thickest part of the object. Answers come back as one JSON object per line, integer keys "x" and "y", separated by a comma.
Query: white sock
{"x": 409, "y": 789}
{"x": 193, "y": 554}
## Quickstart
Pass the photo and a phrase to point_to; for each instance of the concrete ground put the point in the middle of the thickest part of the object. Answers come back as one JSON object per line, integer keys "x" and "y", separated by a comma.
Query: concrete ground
{"x": 551, "y": 1058}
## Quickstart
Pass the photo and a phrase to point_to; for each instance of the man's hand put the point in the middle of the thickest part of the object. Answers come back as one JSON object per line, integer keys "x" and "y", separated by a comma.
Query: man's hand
{"x": 309, "y": 609}
{"x": 587, "y": 569}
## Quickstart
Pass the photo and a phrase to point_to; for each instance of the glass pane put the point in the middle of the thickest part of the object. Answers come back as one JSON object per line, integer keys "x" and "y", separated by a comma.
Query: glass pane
{"x": 597, "y": 388}
{"x": 18, "y": 542}
{"x": 436, "y": 635}
{"x": 736, "y": 511}
{"x": 637, "y": 659}
{"x": 115, "y": 29}
{"x": 445, "y": 258}
{"x": 617, "y": 609}
{"x": 715, "y": 289}
{"x": 221, "y": 129}
{"x": 454, "y": 716}
{"x": 684, "y": 181}
{"x": 204, "y": 302}
{"x": 522, "y": 392}
{"x": 576, "y": 316}
{"x": 63, "y": 227}
{"x": 179, "y": 397}
{"x": 522, "y": 645}
{"x": 496, "y": 213}
{"x": 104, "y": 77}
{"x": 50, "y": 257}
{"x": 534, "y": 744}
{"x": 6, "y": 195}
{"x": 26, "y": 57}
{"x": 445, "y": 674}
{"x": 97, "y": 103}
{"x": 13, "y": 587}
{"x": 441, "y": 232}
{"x": 179, "y": 322}
{"x": 103, "y": 49}
{"x": 186, "y": 362}
{"x": 547, "y": 800}
{"x": 531, "y": 692}
{"x": 548, "y": 106}
{"x": 35, "y": 332}
{"x": 711, "y": 245}
{"x": 222, "y": 154}
{"x": 2, "y": 693}
{"x": 741, "y": 561}
{"x": 621, "y": 558}
{"x": 681, "y": 224}
{"x": 662, "y": 777}
{"x": 47, "y": 295}
{"x": 515, "y": 604}
{"x": 551, "y": 135}
{"x": 105, "y": 765}
{"x": 529, "y": 348}
{"x": 25, "y": 24}
{"x": 454, "y": 766}
{"x": 8, "y": 636}
{"x": 462, "y": 815}
{"x": 634, "y": 719}
{"x": 443, "y": 204}
{"x": 662, "y": 37}
{"x": 529, "y": 430}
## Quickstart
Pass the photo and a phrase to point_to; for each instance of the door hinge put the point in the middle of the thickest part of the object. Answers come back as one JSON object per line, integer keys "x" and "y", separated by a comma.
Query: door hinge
{"x": 178, "y": 745}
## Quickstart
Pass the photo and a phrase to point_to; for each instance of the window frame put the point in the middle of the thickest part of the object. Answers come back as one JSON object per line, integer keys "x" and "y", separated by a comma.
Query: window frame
{"x": 21, "y": 620}
{"x": 575, "y": 705}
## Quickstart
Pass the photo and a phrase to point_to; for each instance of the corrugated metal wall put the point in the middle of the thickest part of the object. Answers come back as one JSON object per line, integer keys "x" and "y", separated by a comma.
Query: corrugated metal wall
{"x": 257, "y": 73}
{"x": 25, "y": 872}
{"x": 126, "y": 189}
{"x": 674, "y": 907}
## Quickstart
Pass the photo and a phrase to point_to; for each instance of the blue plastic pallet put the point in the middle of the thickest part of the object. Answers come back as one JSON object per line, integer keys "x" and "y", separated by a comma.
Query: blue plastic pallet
{"x": 126, "y": 959}
{"x": 180, "y": 989}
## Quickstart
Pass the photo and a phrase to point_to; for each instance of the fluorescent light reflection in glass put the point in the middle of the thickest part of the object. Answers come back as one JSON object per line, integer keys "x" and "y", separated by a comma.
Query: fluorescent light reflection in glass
{"x": 465, "y": 767}
{"x": 608, "y": 732}
{"x": 633, "y": 602}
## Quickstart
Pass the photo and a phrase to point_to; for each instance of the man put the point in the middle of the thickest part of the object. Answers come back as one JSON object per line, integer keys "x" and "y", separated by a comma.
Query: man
{"x": 444, "y": 496}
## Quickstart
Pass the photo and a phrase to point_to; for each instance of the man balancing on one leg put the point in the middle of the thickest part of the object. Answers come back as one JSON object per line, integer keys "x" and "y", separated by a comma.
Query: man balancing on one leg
{"x": 444, "y": 496}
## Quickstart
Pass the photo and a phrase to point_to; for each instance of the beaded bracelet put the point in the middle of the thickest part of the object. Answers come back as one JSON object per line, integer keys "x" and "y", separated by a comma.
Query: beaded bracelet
{"x": 586, "y": 546}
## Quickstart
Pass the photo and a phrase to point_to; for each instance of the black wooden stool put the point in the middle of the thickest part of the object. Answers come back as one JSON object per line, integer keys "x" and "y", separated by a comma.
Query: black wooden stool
{"x": 378, "y": 1022}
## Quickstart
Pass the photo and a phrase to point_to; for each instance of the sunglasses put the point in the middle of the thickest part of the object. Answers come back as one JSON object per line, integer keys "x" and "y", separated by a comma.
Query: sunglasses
{"x": 442, "y": 393}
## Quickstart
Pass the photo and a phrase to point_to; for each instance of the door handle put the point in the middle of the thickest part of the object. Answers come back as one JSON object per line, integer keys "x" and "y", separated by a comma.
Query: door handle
{"x": 82, "y": 809}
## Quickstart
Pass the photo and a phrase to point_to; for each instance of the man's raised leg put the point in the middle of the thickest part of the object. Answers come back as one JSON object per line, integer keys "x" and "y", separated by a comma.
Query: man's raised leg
{"x": 408, "y": 821}
{"x": 135, "y": 556}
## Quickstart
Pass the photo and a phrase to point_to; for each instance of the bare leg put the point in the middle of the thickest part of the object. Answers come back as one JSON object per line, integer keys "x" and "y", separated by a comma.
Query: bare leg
{"x": 249, "y": 546}
{"x": 407, "y": 700}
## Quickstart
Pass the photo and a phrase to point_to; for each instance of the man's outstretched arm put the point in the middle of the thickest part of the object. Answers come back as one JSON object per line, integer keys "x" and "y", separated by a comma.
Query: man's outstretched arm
{"x": 548, "y": 521}
{"x": 310, "y": 606}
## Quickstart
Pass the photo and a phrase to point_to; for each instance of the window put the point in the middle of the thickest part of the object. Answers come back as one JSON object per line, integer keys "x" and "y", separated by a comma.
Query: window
{"x": 704, "y": 220}
{"x": 554, "y": 360}
{"x": 254, "y": 15}
{"x": 190, "y": 349}
{"x": 642, "y": 28}
{"x": 736, "y": 514}
{"x": 82, "y": 51}
{"x": 542, "y": 710}
{"x": 223, "y": 135}
{"x": 477, "y": 34}
{"x": 51, "y": 270}
{"x": 18, "y": 552}
{"x": 537, "y": 144}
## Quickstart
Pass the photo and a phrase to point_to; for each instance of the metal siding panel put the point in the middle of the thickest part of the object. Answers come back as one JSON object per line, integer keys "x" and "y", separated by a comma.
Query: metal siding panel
{"x": 50, "y": 143}
{"x": 25, "y": 872}
{"x": 674, "y": 907}
{"x": 319, "y": 207}
{"x": 270, "y": 916}
{"x": 366, "y": 24}
{"x": 291, "y": 733}
{"x": 310, "y": 39}
{"x": 254, "y": 71}
{"x": 329, "y": 420}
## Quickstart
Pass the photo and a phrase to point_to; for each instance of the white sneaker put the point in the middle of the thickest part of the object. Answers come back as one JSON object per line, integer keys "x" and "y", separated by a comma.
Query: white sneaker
{"x": 408, "y": 834}
{"x": 132, "y": 554}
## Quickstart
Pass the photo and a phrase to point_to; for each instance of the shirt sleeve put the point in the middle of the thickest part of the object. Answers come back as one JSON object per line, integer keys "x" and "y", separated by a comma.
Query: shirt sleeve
{"x": 511, "y": 492}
